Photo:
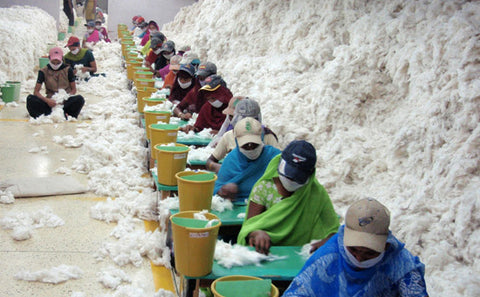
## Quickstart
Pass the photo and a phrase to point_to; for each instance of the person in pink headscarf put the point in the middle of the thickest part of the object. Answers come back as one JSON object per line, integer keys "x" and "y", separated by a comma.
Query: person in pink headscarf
{"x": 102, "y": 30}
{"x": 92, "y": 36}
{"x": 152, "y": 28}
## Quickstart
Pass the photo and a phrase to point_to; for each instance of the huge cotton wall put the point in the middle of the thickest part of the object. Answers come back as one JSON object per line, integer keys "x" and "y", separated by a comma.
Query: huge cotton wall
{"x": 20, "y": 47}
{"x": 387, "y": 91}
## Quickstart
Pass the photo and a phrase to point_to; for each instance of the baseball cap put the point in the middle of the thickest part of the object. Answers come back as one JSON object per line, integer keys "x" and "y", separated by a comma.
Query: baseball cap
{"x": 184, "y": 48}
{"x": 154, "y": 42}
{"x": 140, "y": 20}
{"x": 55, "y": 53}
{"x": 90, "y": 24}
{"x": 248, "y": 108}
{"x": 230, "y": 110}
{"x": 366, "y": 225}
{"x": 248, "y": 130}
{"x": 206, "y": 69}
{"x": 158, "y": 35}
{"x": 298, "y": 161}
{"x": 189, "y": 57}
{"x": 175, "y": 62}
{"x": 73, "y": 40}
{"x": 168, "y": 46}
{"x": 213, "y": 82}
{"x": 188, "y": 68}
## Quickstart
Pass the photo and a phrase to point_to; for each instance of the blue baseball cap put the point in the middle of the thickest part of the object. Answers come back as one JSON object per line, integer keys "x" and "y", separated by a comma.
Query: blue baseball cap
{"x": 298, "y": 161}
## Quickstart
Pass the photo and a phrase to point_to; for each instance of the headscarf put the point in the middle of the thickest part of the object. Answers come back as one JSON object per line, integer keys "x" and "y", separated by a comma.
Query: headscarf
{"x": 209, "y": 116}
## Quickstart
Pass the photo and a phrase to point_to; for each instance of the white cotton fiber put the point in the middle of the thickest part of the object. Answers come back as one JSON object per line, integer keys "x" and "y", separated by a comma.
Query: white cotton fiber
{"x": 164, "y": 293}
{"x": 113, "y": 277}
{"x": 80, "y": 75}
{"x": 68, "y": 141}
{"x": 199, "y": 154}
{"x": 220, "y": 204}
{"x": 53, "y": 275}
{"x": 78, "y": 294}
{"x": 229, "y": 255}
{"x": 201, "y": 215}
{"x": 6, "y": 197}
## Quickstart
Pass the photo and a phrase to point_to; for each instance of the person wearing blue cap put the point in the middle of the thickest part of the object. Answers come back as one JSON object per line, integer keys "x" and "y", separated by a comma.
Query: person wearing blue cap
{"x": 287, "y": 205}
{"x": 184, "y": 82}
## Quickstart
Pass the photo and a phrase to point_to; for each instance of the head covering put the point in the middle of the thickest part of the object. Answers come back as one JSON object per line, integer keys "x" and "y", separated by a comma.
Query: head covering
{"x": 175, "y": 62}
{"x": 135, "y": 18}
{"x": 232, "y": 104}
{"x": 213, "y": 82}
{"x": 142, "y": 24}
{"x": 184, "y": 48}
{"x": 98, "y": 21}
{"x": 190, "y": 57}
{"x": 158, "y": 35}
{"x": 168, "y": 46}
{"x": 248, "y": 130}
{"x": 140, "y": 20}
{"x": 90, "y": 24}
{"x": 154, "y": 42}
{"x": 73, "y": 40}
{"x": 188, "y": 68}
{"x": 55, "y": 53}
{"x": 298, "y": 161}
{"x": 206, "y": 69}
{"x": 366, "y": 225}
{"x": 153, "y": 23}
{"x": 248, "y": 108}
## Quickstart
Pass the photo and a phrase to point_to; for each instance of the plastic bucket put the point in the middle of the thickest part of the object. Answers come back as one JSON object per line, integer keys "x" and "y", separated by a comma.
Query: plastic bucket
{"x": 143, "y": 92}
{"x": 162, "y": 134}
{"x": 153, "y": 101}
{"x": 142, "y": 74}
{"x": 195, "y": 189}
{"x": 17, "y": 86}
{"x": 71, "y": 29}
{"x": 237, "y": 284}
{"x": 170, "y": 160}
{"x": 155, "y": 116}
{"x": 145, "y": 82}
{"x": 61, "y": 36}
{"x": 193, "y": 243}
{"x": 130, "y": 65}
{"x": 8, "y": 92}
{"x": 42, "y": 62}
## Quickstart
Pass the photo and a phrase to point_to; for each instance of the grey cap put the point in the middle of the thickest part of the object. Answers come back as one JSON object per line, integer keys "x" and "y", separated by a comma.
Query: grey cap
{"x": 206, "y": 69}
{"x": 154, "y": 42}
{"x": 90, "y": 24}
{"x": 248, "y": 108}
{"x": 168, "y": 46}
{"x": 158, "y": 35}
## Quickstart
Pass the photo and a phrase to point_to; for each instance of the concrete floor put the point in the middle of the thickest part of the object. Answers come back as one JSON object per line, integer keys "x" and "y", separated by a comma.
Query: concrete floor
{"x": 72, "y": 244}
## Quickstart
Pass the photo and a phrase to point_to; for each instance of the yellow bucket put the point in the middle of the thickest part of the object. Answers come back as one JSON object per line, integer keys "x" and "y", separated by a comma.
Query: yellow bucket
{"x": 245, "y": 283}
{"x": 195, "y": 189}
{"x": 142, "y": 74}
{"x": 193, "y": 243}
{"x": 162, "y": 134}
{"x": 145, "y": 82}
{"x": 143, "y": 92}
{"x": 130, "y": 65}
{"x": 170, "y": 160}
{"x": 155, "y": 116}
{"x": 126, "y": 43}
{"x": 153, "y": 102}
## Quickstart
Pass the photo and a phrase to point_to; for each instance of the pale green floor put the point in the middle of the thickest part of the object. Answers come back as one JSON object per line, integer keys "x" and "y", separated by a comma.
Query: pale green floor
{"x": 71, "y": 244}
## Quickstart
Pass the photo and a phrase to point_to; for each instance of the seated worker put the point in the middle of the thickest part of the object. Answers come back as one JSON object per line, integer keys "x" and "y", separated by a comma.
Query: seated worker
{"x": 137, "y": 30}
{"x": 155, "y": 51}
{"x": 224, "y": 142}
{"x": 287, "y": 205}
{"x": 191, "y": 58}
{"x": 211, "y": 115}
{"x": 363, "y": 259}
{"x": 143, "y": 26}
{"x": 152, "y": 28}
{"x": 173, "y": 68}
{"x": 79, "y": 56}
{"x": 92, "y": 36}
{"x": 56, "y": 75}
{"x": 147, "y": 48}
{"x": 183, "y": 84}
{"x": 134, "y": 22}
{"x": 102, "y": 30}
{"x": 194, "y": 100}
{"x": 246, "y": 163}
{"x": 167, "y": 51}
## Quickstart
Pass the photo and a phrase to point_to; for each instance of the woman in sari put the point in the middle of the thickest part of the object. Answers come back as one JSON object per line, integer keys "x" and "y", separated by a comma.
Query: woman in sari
{"x": 287, "y": 205}
{"x": 246, "y": 163}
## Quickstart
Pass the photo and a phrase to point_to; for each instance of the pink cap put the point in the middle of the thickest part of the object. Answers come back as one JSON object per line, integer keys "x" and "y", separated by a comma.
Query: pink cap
{"x": 55, "y": 53}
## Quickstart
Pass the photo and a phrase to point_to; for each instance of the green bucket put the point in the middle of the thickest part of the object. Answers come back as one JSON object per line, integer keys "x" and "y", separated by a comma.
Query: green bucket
{"x": 17, "y": 86}
{"x": 71, "y": 29}
{"x": 42, "y": 62}
{"x": 8, "y": 92}
{"x": 61, "y": 36}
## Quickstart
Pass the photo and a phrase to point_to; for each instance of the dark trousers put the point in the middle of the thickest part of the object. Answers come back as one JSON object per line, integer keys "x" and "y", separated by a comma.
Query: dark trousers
{"x": 68, "y": 9}
{"x": 72, "y": 107}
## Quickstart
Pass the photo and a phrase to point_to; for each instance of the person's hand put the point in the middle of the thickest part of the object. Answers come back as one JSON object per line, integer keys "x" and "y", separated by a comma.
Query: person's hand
{"x": 260, "y": 240}
{"x": 84, "y": 69}
{"x": 52, "y": 103}
{"x": 186, "y": 116}
{"x": 228, "y": 191}
{"x": 314, "y": 246}
{"x": 186, "y": 128}
{"x": 75, "y": 71}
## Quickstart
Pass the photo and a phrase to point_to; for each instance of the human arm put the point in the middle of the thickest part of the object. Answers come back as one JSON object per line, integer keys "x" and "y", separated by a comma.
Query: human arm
{"x": 258, "y": 238}
{"x": 228, "y": 191}
{"x": 92, "y": 67}
{"x": 412, "y": 285}
{"x": 36, "y": 92}
{"x": 318, "y": 244}
{"x": 212, "y": 164}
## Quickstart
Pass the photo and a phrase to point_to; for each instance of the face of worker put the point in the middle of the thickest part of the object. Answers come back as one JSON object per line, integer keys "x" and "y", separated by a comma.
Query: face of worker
{"x": 74, "y": 49}
{"x": 362, "y": 253}
{"x": 184, "y": 78}
{"x": 152, "y": 28}
{"x": 56, "y": 62}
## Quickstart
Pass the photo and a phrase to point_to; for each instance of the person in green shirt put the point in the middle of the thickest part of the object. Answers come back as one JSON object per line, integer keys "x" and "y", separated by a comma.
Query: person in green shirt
{"x": 287, "y": 205}
{"x": 79, "y": 56}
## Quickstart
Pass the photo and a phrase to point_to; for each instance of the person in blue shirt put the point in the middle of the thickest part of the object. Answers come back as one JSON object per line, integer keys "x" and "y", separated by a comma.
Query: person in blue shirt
{"x": 363, "y": 259}
{"x": 245, "y": 164}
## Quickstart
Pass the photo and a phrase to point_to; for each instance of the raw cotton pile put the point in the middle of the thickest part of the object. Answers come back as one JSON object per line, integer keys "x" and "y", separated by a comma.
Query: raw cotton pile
{"x": 229, "y": 255}
{"x": 54, "y": 275}
{"x": 387, "y": 91}
{"x": 16, "y": 23}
